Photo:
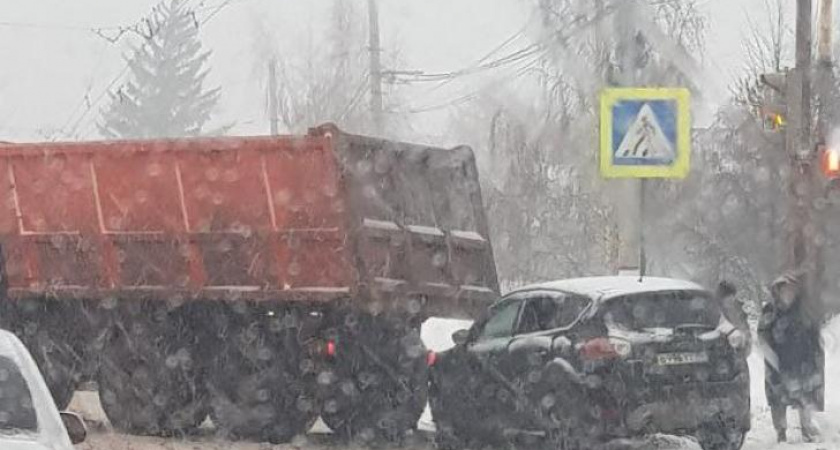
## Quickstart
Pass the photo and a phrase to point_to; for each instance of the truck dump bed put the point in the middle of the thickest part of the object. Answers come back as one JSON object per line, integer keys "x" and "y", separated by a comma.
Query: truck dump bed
{"x": 325, "y": 217}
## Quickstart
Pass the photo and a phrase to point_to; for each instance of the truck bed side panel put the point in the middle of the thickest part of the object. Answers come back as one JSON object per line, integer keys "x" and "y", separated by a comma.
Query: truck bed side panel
{"x": 243, "y": 218}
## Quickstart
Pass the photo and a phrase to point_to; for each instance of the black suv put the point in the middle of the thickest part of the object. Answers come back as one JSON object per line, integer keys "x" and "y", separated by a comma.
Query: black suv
{"x": 587, "y": 360}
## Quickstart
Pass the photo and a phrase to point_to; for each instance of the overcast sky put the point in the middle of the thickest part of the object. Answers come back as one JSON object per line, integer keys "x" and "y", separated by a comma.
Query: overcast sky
{"x": 55, "y": 70}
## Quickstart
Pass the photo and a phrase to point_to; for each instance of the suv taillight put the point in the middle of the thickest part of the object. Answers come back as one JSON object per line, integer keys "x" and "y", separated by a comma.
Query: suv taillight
{"x": 431, "y": 358}
{"x": 605, "y": 348}
{"x": 329, "y": 348}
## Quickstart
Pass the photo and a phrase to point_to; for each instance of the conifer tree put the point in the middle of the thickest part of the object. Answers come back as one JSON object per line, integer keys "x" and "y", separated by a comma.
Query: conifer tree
{"x": 165, "y": 95}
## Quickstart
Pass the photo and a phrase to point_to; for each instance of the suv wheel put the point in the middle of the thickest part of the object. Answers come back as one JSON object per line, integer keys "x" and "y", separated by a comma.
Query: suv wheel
{"x": 448, "y": 437}
{"x": 718, "y": 437}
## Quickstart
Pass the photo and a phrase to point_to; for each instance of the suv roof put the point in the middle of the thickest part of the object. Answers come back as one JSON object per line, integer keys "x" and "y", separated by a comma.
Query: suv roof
{"x": 603, "y": 288}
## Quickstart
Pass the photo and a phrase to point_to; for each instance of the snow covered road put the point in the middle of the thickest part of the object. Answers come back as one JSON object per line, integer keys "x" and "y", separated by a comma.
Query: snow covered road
{"x": 437, "y": 336}
{"x": 763, "y": 437}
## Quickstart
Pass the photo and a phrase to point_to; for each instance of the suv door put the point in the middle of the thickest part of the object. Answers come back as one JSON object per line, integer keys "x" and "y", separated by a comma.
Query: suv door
{"x": 470, "y": 391}
{"x": 544, "y": 332}
{"x": 488, "y": 349}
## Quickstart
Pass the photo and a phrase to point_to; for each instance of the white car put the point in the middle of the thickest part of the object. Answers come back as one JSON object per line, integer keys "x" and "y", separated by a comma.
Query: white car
{"x": 29, "y": 419}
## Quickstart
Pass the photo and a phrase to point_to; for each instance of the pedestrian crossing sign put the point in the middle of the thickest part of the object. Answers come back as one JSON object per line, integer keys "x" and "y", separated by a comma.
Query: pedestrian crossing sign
{"x": 645, "y": 133}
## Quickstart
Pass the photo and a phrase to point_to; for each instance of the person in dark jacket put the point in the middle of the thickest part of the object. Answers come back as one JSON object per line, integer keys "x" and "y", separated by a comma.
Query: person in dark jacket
{"x": 793, "y": 356}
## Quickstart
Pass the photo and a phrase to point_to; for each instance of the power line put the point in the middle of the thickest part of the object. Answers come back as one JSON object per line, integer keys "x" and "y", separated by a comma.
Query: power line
{"x": 477, "y": 92}
{"x": 54, "y": 26}
{"x": 357, "y": 96}
{"x": 479, "y": 66}
{"x": 86, "y": 98}
{"x": 99, "y": 98}
{"x": 534, "y": 51}
{"x": 217, "y": 10}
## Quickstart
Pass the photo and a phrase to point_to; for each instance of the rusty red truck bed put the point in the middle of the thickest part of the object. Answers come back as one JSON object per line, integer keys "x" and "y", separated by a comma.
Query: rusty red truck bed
{"x": 313, "y": 218}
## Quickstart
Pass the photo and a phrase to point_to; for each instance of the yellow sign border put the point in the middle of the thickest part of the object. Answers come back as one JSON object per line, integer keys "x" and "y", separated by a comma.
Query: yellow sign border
{"x": 681, "y": 165}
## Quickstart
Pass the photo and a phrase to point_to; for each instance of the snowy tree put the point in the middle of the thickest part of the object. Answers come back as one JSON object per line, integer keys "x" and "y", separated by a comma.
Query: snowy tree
{"x": 552, "y": 215}
{"x": 166, "y": 94}
{"x": 725, "y": 221}
{"x": 728, "y": 219}
{"x": 324, "y": 77}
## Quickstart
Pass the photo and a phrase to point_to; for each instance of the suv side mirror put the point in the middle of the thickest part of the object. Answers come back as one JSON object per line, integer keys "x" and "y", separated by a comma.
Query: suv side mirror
{"x": 76, "y": 428}
{"x": 460, "y": 337}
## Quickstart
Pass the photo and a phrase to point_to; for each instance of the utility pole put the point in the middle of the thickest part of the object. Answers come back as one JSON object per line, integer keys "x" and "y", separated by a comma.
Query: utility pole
{"x": 272, "y": 96}
{"x": 827, "y": 96}
{"x": 824, "y": 43}
{"x": 376, "y": 111}
{"x": 804, "y": 233}
{"x": 825, "y": 69}
{"x": 629, "y": 195}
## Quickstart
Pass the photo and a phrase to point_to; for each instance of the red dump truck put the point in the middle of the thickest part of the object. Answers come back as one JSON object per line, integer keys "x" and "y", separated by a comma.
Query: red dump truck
{"x": 263, "y": 281}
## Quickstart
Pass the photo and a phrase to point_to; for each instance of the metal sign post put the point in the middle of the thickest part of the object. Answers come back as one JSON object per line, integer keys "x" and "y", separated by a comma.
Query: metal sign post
{"x": 645, "y": 133}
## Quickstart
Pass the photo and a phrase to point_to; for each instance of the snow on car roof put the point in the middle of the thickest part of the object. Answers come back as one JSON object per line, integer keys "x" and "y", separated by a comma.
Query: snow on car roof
{"x": 616, "y": 286}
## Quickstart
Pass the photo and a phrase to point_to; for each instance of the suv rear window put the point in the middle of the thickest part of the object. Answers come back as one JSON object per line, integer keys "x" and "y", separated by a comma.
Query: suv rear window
{"x": 663, "y": 310}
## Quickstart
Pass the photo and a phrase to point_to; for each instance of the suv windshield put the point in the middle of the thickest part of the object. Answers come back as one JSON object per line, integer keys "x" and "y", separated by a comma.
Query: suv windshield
{"x": 501, "y": 321}
{"x": 663, "y": 310}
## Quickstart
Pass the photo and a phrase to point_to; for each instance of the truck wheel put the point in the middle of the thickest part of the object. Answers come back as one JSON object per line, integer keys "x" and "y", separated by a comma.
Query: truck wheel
{"x": 148, "y": 382}
{"x": 262, "y": 386}
{"x": 378, "y": 385}
{"x": 384, "y": 412}
{"x": 42, "y": 327}
{"x": 449, "y": 434}
{"x": 261, "y": 405}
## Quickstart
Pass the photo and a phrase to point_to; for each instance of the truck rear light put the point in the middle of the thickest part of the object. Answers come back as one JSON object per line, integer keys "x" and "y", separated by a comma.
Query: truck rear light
{"x": 431, "y": 358}
{"x": 329, "y": 348}
{"x": 605, "y": 348}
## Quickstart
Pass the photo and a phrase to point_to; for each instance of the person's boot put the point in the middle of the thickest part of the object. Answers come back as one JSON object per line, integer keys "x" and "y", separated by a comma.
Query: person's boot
{"x": 781, "y": 435}
{"x": 810, "y": 434}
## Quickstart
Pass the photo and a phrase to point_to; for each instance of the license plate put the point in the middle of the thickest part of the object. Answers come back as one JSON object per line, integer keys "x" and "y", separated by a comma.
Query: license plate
{"x": 675, "y": 359}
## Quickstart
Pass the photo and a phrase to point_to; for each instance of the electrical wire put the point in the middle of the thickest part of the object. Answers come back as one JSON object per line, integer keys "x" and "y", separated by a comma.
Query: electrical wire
{"x": 98, "y": 99}
{"x": 534, "y": 51}
{"x": 53, "y": 26}
{"x": 357, "y": 96}
{"x": 475, "y": 94}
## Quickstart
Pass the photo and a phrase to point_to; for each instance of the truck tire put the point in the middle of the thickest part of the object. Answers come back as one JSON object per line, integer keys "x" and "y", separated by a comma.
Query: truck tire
{"x": 262, "y": 383}
{"x": 41, "y": 326}
{"x": 450, "y": 434}
{"x": 149, "y": 383}
{"x": 377, "y": 387}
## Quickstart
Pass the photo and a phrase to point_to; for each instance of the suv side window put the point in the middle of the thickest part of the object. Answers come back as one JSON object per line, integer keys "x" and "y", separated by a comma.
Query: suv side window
{"x": 548, "y": 311}
{"x": 501, "y": 322}
{"x": 538, "y": 315}
{"x": 570, "y": 310}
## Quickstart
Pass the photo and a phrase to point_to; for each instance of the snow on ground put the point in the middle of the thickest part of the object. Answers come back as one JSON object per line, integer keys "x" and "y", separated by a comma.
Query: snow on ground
{"x": 763, "y": 437}
{"x": 437, "y": 336}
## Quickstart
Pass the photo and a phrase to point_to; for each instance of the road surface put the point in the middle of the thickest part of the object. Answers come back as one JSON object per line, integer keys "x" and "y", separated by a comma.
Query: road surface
{"x": 762, "y": 437}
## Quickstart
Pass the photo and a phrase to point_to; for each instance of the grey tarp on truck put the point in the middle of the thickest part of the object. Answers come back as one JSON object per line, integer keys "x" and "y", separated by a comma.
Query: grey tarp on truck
{"x": 419, "y": 225}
